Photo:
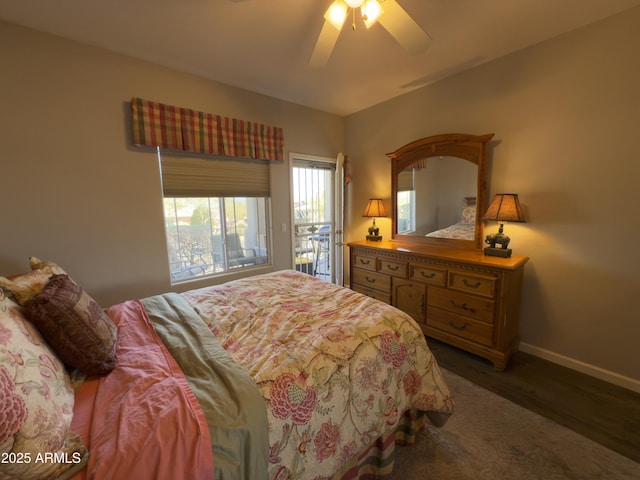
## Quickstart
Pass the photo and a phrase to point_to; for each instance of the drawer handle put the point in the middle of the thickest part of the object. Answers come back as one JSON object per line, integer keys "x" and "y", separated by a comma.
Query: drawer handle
{"x": 431, "y": 275}
{"x": 365, "y": 261}
{"x": 471, "y": 285}
{"x": 370, "y": 280}
{"x": 458, "y": 327}
{"x": 461, "y": 306}
{"x": 393, "y": 269}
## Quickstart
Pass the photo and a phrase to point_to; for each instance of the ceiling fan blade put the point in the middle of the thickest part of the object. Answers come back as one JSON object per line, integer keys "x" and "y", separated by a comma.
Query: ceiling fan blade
{"x": 324, "y": 46}
{"x": 404, "y": 28}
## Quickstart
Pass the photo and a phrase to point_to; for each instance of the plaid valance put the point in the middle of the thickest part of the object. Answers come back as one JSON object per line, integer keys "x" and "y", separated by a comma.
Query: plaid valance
{"x": 159, "y": 125}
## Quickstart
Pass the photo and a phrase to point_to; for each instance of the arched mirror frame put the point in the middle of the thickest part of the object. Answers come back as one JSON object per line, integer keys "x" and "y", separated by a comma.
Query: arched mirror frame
{"x": 473, "y": 148}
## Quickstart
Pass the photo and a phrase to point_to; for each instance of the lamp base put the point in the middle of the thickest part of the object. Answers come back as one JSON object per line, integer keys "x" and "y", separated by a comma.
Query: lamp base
{"x": 374, "y": 238}
{"x": 497, "y": 252}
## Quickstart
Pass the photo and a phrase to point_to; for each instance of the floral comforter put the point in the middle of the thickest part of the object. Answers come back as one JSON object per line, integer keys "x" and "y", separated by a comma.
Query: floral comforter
{"x": 461, "y": 231}
{"x": 337, "y": 369}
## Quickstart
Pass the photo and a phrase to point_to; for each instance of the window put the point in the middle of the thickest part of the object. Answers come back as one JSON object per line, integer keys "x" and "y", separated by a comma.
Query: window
{"x": 201, "y": 243}
{"x": 211, "y": 234}
{"x": 406, "y": 211}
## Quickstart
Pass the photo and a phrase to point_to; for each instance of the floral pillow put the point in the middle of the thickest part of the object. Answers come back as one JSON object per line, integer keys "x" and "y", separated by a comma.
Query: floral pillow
{"x": 23, "y": 287}
{"x": 36, "y": 404}
{"x": 75, "y": 326}
{"x": 468, "y": 215}
{"x": 48, "y": 267}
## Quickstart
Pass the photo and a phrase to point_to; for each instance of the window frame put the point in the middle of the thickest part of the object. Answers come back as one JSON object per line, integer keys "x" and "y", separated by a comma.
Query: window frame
{"x": 234, "y": 253}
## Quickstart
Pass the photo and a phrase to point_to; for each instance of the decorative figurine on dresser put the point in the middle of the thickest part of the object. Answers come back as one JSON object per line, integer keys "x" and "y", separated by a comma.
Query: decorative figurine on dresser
{"x": 434, "y": 267}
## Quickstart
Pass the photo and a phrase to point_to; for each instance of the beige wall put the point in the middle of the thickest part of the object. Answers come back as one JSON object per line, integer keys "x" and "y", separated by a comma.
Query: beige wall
{"x": 566, "y": 118}
{"x": 74, "y": 191}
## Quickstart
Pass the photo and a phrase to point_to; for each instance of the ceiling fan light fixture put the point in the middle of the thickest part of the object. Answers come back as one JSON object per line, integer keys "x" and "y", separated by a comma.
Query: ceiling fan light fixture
{"x": 371, "y": 11}
{"x": 394, "y": 19}
{"x": 336, "y": 14}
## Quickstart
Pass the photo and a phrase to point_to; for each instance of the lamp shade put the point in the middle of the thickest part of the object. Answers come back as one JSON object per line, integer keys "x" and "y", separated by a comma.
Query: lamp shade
{"x": 505, "y": 207}
{"x": 374, "y": 208}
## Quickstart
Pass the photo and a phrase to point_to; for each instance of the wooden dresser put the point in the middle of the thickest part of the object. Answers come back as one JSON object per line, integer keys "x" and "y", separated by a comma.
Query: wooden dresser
{"x": 458, "y": 296}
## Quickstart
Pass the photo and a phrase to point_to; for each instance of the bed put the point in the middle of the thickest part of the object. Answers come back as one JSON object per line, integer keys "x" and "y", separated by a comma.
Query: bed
{"x": 275, "y": 376}
{"x": 465, "y": 228}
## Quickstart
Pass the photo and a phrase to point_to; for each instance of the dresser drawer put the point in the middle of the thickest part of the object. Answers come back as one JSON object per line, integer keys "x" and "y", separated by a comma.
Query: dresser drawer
{"x": 396, "y": 269}
{"x": 365, "y": 262}
{"x": 484, "y": 285}
{"x": 460, "y": 326}
{"x": 457, "y": 296}
{"x": 461, "y": 303}
{"x": 367, "y": 279}
{"x": 427, "y": 274}
{"x": 382, "y": 296}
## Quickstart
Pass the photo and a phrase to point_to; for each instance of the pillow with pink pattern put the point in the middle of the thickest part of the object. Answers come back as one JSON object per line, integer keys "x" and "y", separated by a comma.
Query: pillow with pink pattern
{"x": 468, "y": 215}
{"x": 36, "y": 404}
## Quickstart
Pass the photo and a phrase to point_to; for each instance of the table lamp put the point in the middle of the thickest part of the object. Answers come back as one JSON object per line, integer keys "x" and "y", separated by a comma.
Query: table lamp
{"x": 505, "y": 207}
{"x": 374, "y": 209}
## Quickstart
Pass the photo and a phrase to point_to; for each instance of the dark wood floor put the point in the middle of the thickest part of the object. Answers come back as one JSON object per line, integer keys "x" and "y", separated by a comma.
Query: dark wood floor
{"x": 605, "y": 413}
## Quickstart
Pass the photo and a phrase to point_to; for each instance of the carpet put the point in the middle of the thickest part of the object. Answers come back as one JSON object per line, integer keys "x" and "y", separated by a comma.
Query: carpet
{"x": 491, "y": 438}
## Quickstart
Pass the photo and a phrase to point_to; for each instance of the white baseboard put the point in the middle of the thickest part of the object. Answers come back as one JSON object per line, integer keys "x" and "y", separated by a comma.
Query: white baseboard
{"x": 597, "y": 372}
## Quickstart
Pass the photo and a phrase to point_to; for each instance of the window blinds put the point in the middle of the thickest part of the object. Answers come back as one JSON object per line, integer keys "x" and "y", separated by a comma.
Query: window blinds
{"x": 406, "y": 180}
{"x": 193, "y": 176}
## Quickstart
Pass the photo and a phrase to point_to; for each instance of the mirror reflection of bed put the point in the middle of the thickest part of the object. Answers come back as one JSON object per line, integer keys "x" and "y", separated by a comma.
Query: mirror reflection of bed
{"x": 433, "y": 183}
{"x": 464, "y": 224}
{"x": 441, "y": 187}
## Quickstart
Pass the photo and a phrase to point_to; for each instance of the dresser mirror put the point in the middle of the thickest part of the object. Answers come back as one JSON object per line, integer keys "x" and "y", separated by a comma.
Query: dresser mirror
{"x": 438, "y": 190}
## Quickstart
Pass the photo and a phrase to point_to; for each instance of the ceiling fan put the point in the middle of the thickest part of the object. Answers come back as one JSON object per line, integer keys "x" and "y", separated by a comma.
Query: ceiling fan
{"x": 387, "y": 12}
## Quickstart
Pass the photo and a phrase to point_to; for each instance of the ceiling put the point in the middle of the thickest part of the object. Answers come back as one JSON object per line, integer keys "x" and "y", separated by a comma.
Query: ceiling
{"x": 264, "y": 45}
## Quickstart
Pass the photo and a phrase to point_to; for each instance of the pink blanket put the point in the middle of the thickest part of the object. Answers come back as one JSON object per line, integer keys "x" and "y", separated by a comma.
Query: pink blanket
{"x": 142, "y": 420}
